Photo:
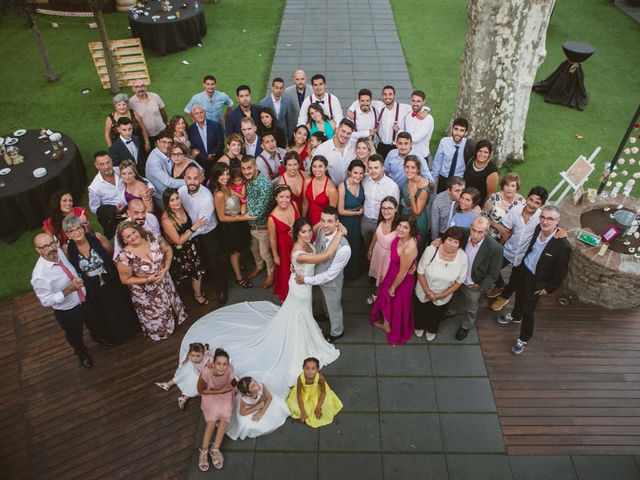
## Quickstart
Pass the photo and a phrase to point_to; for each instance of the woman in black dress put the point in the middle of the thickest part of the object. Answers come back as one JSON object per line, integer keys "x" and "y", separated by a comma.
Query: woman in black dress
{"x": 178, "y": 230}
{"x": 269, "y": 124}
{"x": 90, "y": 254}
{"x": 481, "y": 172}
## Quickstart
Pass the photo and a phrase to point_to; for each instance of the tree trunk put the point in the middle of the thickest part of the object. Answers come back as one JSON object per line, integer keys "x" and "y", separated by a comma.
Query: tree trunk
{"x": 504, "y": 47}
{"x": 49, "y": 69}
{"x": 96, "y": 8}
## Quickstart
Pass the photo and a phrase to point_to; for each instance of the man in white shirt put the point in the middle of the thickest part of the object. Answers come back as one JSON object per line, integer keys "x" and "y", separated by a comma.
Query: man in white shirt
{"x": 57, "y": 285}
{"x": 330, "y": 103}
{"x": 339, "y": 151}
{"x": 394, "y": 163}
{"x": 270, "y": 160}
{"x": 198, "y": 203}
{"x": 281, "y": 105}
{"x": 252, "y": 143}
{"x": 150, "y": 107}
{"x": 364, "y": 115}
{"x": 377, "y": 186}
{"x": 420, "y": 129}
{"x": 296, "y": 93}
{"x": 106, "y": 194}
{"x": 329, "y": 275}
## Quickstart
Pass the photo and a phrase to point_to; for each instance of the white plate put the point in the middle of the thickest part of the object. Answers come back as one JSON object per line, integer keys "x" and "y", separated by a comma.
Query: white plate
{"x": 171, "y": 17}
{"x": 1, "y": 140}
{"x": 5, "y": 171}
{"x": 19, "y": 133}
{"x": 10, "y": 141}
{"x": 39, "y": 172}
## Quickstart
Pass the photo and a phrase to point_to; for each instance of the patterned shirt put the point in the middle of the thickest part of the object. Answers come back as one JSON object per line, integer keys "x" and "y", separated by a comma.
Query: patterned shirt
{"x": 441, "y": 211}
{"x": 259, "y": 200}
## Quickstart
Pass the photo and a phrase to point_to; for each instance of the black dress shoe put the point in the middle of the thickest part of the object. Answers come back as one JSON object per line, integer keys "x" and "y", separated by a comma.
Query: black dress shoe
{"x": 223, "y": 298}
{"x": 462, "y": 333}
{"x": 85, "y": 361}
{"x": 332, "y": 338}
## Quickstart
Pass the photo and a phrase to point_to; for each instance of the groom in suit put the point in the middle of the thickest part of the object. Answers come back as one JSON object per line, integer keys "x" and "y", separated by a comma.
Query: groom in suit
{"x": 127, "y": 146}
{"x": 329, "y": 275}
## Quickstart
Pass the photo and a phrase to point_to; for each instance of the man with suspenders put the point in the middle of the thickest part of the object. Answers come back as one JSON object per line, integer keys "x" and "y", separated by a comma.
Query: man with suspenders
{"x": 270, "y": 160}
{"x": 330, "y": 103}
{"x": 364, "y": 115}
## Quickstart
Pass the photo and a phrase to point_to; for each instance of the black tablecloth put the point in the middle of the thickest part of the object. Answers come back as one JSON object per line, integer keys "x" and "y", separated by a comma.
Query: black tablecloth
{"x": 164, "y": 36}
{"x": 565, "y": 86}
{"x": 24, "y": 200}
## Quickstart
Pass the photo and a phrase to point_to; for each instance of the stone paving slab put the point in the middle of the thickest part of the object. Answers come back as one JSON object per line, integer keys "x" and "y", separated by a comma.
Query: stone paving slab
{"x": 600, "y": 467}
{"x": 479, "y": 467}
{"x": 534, "y": 468}
{"x": 410, "y": 432}
{"x": 468, "y": 432}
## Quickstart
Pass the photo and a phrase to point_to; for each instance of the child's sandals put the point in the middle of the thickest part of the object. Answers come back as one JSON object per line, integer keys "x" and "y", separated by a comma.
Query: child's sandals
{"x": 182, "y": 401}
{"x": 163, "y": 385}
{"x": 203, "y": 459}
{"x": 216, "y": 457}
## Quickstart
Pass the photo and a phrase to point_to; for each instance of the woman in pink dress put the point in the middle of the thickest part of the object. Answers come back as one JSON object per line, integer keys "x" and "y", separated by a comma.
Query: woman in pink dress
{"x": 393, "y": 310}
{"x": 381, "y": 244}
{"x": 216, "y": 389}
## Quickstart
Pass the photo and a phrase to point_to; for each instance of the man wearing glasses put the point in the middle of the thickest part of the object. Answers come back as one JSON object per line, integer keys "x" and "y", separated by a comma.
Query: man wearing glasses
{"x": 57, "y": 285}
{"x": 150, "y": 107}
{"x": 542, "y": 271}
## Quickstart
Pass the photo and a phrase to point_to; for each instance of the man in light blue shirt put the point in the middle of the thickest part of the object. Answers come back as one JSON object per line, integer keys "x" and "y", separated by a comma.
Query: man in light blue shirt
{"x": 159, "y": 168}
{"x": 394, "y": 163}
{"x": 212, "y": 101}
{"x": 449, "y": 160}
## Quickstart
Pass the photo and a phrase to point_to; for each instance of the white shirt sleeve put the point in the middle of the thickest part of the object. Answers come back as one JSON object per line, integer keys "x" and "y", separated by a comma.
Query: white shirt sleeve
{"x": 44, "y": 292}
{"x": 339, "y": 262}
{"x": 304, "y": 110}
{"x": 94, "y": 200}
{"x": 337, "y": 109}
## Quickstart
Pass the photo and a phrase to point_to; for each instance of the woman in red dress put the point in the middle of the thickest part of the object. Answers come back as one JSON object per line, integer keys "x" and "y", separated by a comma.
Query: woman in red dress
{"x": 280, "y": 223}
{"x": 319, "y": 192}
{"x": 299, "y": 143}
{"x": 293, "y": 177}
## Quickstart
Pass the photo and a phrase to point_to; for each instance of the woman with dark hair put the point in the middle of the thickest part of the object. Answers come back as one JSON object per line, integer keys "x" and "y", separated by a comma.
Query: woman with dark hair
{"x": 280, "y": 223}
{"x": 269, "y": 124}
{"x": 481, "y": 172}
{"x": 178, "y": 230}
{"x": 414, "y": 197}
{"x": 263, "y": 337}
{"x": 234, "y": 230}
{"x": 178, "y": 129}
{"x": 320, "y": 122}
{"x": 91, "y": 255}
{"x": 299, "y": 142}
{"x": 178, "y": 153}
{"x": 468, "y": 208}
{"x": 351, "y": 208}
{"x": 319, "y": 192}
{"x": 393, "y": 304}
{"x": 143, "y": 265}
{"x": 61, "y": 207}
{"x": 441, "y": 271}
{"x": 379, "y": 250}
{"x": 294, "y": 178}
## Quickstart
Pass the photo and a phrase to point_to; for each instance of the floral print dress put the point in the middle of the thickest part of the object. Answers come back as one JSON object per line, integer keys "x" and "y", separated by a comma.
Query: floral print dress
{"x": 157, "y": 304}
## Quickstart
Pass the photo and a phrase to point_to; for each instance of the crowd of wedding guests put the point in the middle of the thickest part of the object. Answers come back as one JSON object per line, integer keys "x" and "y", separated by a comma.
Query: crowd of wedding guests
{"x": 213, "y": 192}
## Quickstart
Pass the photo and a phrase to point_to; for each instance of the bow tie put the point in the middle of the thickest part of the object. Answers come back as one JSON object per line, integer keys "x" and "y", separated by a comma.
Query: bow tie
{"x": 320, "y": 101}
{"x": 128, "y": 141}
{"x": 414, "y": 114}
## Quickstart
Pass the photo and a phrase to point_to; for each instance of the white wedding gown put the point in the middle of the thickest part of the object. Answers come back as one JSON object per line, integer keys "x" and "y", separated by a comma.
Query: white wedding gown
{"x": 262, "y": 337}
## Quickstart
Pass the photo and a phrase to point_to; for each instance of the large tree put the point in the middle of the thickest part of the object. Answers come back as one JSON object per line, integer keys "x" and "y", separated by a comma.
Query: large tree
{"x": 504, "y": 47}
{"x": 96, "y": 7}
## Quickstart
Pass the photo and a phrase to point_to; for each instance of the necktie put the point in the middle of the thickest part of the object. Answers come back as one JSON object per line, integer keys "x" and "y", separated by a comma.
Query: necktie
{"x": 454, "y": 160}
{"x": 71, "y": 277}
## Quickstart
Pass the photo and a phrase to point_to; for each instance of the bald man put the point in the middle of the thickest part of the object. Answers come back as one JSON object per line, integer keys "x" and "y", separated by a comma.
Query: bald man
{"x": 57, "y": 285}
{"x": 297, "y": 92}
{"x": 484, "y": 256}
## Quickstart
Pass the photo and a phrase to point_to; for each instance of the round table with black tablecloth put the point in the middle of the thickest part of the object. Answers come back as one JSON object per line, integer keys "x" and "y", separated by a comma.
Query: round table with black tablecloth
{"x": 164, "y": 36}
{"x": 24, "y": 199}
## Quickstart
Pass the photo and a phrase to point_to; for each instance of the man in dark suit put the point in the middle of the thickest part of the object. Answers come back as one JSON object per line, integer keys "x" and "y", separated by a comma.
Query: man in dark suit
{"x": 244, "y": 109}
{"x": 281, "y": 105}
{"x": 296, "y": 94}
{"x": 542, "y": 271}
{"x": 127, "y": 146}
{"x": 206, "y": 136}
{"x": 485, "y": 259}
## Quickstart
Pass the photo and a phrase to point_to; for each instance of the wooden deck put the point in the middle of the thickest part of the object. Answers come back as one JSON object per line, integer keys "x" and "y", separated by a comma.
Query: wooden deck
{"x": 575, "y": 389}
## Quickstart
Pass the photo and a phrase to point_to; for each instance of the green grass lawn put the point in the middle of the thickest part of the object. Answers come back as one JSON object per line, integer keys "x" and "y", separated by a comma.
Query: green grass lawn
{"x": 432, "y": 33}
{"x": 238, "y": 49}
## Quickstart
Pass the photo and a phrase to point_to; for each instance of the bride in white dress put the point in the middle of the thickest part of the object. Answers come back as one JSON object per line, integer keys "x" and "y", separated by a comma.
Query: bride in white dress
{"x": 262, "y": 337}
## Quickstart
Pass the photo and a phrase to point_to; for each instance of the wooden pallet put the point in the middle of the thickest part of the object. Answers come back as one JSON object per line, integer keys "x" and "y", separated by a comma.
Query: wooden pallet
{"x": 128, "y": 58}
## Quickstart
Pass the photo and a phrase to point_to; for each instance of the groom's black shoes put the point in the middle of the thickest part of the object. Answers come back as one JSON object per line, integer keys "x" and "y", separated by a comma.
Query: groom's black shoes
{"x": 332, "y": 338}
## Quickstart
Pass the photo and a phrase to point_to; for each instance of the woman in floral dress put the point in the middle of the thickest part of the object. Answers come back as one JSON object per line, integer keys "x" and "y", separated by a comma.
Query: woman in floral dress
{"x": 143, "y": 265}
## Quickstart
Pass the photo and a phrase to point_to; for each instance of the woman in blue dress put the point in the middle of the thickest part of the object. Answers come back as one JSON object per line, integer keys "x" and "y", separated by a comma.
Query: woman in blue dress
{"x": 351, "y": 208}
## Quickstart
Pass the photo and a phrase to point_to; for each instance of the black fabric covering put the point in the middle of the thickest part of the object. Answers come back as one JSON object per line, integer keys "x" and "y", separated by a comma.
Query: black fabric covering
{"x": 166, "y": 36}
{"x": 24, "y": 200}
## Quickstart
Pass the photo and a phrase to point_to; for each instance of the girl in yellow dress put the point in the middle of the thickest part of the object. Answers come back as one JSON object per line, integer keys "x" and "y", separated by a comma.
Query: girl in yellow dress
{"x": 311, "y": 399}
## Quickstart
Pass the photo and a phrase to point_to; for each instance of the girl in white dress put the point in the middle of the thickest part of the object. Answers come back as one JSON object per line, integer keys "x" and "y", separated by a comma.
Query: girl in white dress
{"x": 188, "y": 372}
{"x": 262, "y": 337}
{"x": 259, "y": 410}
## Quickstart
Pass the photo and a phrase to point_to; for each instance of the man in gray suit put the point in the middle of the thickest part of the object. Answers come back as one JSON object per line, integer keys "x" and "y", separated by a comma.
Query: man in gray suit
{"x": 281, "y": 105}
{"x": 329, "y": 275}
{"x": 485, "y": 260}
{"x": 296, "y": 94}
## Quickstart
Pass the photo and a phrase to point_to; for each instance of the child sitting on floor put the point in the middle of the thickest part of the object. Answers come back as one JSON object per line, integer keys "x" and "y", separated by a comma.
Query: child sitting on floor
{"x": 311, "y": 399}
{"x": 187, "y": 374}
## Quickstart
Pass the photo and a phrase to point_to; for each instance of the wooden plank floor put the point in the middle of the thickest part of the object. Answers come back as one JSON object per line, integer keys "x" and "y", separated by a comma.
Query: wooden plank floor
{"x": 60, "y": 420}
{"x": 575, "y": 389}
